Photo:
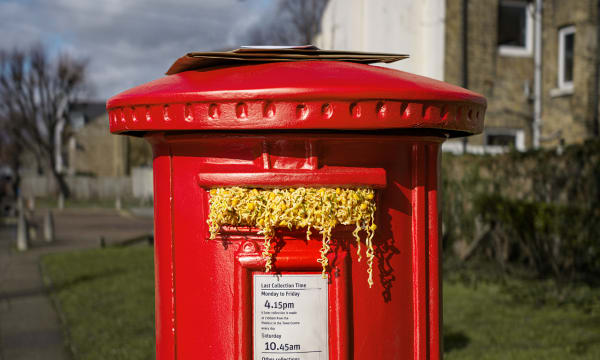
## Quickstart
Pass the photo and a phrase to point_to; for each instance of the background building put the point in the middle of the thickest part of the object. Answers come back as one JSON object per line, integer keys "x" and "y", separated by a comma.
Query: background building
{"x": 414, "y": 27}
{"x": 492, "y": 47}
{"x": 93, "y": 151}
{"x": 97, "y": 164}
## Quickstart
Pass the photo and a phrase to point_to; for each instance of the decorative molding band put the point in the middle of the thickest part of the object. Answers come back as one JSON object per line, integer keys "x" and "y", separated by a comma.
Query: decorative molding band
{"x": 342, "y": 176}
{"x": 264, "y": 114}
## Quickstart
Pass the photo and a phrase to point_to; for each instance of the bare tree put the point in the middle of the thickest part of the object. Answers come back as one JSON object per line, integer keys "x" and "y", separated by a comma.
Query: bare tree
{"x": 305, "y": 15}
{"x": 36, "y": 95}
{"x": 10, "y": 155}
{"x": 297, "y": 23}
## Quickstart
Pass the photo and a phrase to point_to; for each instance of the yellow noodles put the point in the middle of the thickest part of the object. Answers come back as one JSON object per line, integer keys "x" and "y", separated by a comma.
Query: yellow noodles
{"x": 321, "y": 209}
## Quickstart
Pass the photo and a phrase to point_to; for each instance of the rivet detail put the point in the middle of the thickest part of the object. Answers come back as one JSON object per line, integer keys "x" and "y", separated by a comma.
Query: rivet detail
{"x": 196, "y": 115}
{"x": 381, "y": 109}
{"x": 326, "y": 111}
{"x": 302, "y": 112}
{"x": 355, "y": 110}
{"x": 213, "y": 111}
{"x": 241, "y": 111}
{"x": 188, "y": 114}
{"x": 269, "y": 110}
{"x": 166, "y": 114}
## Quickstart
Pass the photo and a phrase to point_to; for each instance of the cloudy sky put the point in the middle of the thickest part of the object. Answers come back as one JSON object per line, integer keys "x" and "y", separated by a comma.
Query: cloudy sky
{"x": 129, "y": 42}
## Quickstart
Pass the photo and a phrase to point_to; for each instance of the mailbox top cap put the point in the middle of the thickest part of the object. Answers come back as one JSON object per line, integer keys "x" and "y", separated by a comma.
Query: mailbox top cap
{"x": 302, "y": 95}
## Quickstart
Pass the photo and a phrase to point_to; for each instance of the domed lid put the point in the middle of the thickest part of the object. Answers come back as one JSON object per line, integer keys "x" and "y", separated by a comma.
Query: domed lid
{"x": 309, "y": 94}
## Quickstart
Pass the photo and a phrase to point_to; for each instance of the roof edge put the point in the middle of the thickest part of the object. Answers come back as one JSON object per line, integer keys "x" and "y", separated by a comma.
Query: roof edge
{"x": 369, "y": 114}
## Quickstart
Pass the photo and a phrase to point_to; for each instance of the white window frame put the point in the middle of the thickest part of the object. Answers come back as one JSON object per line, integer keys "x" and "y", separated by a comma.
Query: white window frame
{"x": 520, "y": 51}
{"x": 519, "y": 135}
{"x": 562, "y": 34}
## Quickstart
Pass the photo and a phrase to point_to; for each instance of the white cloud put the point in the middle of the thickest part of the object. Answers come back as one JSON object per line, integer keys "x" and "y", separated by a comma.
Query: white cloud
{"x": 128, "y": 42}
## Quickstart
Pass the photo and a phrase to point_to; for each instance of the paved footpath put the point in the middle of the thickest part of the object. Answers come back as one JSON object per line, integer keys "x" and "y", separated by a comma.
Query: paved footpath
{"x": 29, "y": 325}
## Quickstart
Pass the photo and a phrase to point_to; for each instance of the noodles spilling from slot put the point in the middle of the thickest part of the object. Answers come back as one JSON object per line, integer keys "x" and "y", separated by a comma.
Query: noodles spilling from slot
{"x": 320, "y": 209}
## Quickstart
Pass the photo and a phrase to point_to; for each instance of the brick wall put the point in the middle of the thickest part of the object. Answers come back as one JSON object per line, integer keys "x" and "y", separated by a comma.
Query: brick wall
{"x": 504, "y": 79}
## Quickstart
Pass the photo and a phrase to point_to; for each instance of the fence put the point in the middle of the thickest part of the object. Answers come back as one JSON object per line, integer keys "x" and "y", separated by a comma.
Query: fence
{"x": 138, "y": 185}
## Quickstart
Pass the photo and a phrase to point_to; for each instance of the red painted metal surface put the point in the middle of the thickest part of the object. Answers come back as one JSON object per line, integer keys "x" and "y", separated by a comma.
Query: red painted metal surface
{"x": 163, "y": 251}
{"x": 212, "y": 291}
{"x": 204, "y": 287}
{"x": 299, "y": 95}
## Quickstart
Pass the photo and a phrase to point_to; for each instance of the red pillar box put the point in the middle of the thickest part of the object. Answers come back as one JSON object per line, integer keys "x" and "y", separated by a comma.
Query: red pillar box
{"x": 248, "y": 152}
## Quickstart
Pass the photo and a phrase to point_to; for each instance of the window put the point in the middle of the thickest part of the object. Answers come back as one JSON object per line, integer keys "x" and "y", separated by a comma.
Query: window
{"x": 502, "y": 138}
{"x": 515, "y": 28}
{"x": 566, "y": 52}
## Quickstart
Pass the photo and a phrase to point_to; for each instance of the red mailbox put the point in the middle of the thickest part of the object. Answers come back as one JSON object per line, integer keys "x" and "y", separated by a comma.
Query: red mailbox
{"x": 287, "y": 125}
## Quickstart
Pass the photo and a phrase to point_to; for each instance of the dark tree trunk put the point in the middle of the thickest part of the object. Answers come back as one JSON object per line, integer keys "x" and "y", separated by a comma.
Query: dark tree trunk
{"x": 16, "y": 181}
{"x": 63, "y": 187}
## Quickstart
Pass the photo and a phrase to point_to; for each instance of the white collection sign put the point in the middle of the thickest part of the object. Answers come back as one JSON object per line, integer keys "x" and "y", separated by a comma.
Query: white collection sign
{"x": 290, "y": 317}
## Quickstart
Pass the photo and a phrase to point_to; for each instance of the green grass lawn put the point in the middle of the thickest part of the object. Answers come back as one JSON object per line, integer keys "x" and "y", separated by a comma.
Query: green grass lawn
{"x": 486, "y": 323}
{"x": 106, "y": 297}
